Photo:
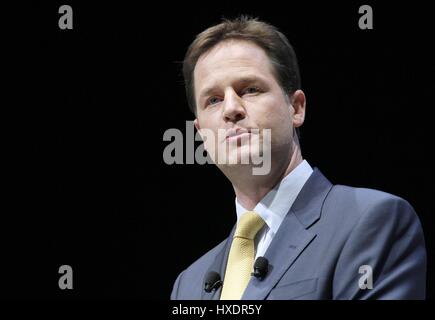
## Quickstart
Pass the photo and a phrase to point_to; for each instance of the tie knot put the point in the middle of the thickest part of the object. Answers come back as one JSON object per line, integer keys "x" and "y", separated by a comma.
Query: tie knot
{"x": 249, "y": 224}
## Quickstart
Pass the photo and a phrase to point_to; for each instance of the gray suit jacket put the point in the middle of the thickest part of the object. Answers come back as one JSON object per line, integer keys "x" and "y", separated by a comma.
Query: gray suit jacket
{"x": 328, "y": 234}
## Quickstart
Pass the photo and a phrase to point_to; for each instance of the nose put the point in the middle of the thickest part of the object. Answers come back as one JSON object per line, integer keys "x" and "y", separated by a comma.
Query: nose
{"x": 234, "y": 109}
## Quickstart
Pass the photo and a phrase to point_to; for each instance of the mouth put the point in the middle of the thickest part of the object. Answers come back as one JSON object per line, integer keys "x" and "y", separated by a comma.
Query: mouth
{"x": 237, "y": 133}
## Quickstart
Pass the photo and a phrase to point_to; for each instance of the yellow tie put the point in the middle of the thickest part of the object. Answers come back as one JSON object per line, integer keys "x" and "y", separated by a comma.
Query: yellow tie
{"x": 241, "y": 257}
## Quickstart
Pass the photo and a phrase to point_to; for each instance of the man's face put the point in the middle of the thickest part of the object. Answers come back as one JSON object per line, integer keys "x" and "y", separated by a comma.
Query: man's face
{"x": 236, "y": 92}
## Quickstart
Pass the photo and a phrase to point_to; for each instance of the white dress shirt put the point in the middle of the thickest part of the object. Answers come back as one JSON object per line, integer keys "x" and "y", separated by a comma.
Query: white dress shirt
{"x": 276, "y": 204}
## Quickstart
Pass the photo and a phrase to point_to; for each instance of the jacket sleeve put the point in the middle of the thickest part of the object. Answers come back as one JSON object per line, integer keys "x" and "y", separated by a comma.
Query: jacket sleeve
{"x": 384, "y": 256}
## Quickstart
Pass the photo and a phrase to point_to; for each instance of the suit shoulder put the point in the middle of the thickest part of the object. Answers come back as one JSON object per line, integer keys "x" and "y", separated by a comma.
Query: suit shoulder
{"x": 363, "y": 201}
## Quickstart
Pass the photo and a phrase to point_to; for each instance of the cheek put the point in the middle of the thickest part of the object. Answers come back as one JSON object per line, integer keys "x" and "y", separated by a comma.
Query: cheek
{"x": 209, "y": 130}
{"x": 207, "y": 122}
{"x": 276, "y": 117}
{"x": 273, "y": 113}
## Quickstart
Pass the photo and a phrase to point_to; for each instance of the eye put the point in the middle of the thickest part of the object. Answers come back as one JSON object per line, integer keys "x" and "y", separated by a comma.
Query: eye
{"x": 251, "y": 90}
{"x": 213, "y": 100}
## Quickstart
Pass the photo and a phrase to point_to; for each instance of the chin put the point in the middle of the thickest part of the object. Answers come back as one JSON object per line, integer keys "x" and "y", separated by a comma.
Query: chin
{"x": 241, "y": 156}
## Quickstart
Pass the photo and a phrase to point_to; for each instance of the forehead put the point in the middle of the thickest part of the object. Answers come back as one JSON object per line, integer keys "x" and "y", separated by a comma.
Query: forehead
{"x": 231, "y": 58}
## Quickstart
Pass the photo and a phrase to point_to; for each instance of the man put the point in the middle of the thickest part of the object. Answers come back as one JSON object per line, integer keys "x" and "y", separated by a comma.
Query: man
{"x": 309, "y": 239}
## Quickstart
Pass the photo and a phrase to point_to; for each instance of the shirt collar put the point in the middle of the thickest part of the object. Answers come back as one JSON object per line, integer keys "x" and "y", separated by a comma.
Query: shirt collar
{"x": 277, "y": 202}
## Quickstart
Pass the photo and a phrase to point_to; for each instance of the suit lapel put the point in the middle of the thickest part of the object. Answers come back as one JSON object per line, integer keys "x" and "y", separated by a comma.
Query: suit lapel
{"x": 292, "y": 236}
{"x": 290, "y": 240}
{"x": 219, "y": 265}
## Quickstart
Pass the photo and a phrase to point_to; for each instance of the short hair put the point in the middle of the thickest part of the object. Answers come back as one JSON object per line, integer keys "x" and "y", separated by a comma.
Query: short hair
{"x": 269, "y": 38}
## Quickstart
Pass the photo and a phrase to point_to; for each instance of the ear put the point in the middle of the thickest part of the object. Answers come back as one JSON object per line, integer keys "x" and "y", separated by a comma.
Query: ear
{"x": 298, "y": 102}
{"x": 196, "y": 123}
{"x": 197, "y": 126}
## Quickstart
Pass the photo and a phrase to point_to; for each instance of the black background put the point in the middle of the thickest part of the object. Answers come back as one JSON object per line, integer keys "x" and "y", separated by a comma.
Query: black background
{"x": 85, "y": 111}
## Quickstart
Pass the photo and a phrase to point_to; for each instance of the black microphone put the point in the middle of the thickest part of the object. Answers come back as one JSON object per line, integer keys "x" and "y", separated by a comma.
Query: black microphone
{"x": 261, "y": 267}
{"x": 212, "y": 281}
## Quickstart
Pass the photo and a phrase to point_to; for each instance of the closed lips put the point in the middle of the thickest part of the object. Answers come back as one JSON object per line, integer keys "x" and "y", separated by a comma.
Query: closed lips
{"x": 237, "y": 132}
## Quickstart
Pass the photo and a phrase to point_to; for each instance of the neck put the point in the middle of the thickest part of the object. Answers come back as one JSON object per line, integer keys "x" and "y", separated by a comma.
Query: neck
{"x": 250, "y": 189}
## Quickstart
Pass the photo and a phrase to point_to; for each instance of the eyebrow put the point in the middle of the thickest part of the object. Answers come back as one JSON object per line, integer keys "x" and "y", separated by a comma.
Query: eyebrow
{"x": 243, "y": 80}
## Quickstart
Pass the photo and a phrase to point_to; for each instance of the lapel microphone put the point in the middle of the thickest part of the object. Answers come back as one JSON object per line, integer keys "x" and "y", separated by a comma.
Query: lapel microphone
{"x": 212, "y": 281}
{"x": 261, "y": 267}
